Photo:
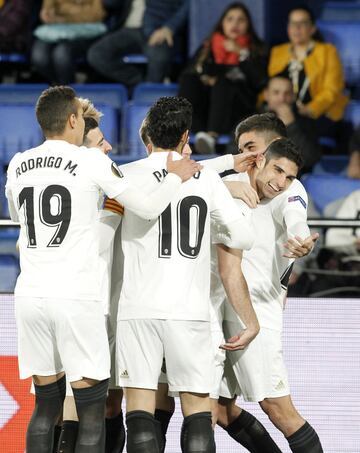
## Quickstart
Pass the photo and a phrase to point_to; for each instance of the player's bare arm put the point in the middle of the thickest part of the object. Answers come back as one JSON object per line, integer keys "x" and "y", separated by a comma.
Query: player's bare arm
{"x": 298, "y": 248}
{"x": 243, "y": 191}
{"x": 238, "y": 295}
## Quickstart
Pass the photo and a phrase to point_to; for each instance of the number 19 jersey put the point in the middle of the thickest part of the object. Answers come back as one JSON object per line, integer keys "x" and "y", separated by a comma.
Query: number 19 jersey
{"x": 167, "y": 260}
{"x": 53, "y": 191}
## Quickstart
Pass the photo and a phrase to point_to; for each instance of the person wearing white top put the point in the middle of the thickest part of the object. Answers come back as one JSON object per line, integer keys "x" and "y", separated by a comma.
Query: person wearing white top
{"x": 53, "y": 192}
{"x": 258, "y": 372}
{"x": 164, "y": 308}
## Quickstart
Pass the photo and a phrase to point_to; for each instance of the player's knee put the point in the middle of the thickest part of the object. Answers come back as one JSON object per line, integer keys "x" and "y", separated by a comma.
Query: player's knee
{"x": 276, "y": 412}
{"x": 197, "y": 434}
{"x": 141, "y": 432}
{"x": 48, "y": 406}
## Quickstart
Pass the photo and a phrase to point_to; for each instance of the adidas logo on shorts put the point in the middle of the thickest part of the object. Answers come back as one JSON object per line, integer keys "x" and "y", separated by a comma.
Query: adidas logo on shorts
{"x": 280, "y": 386}
{"x": 124, "y": 374}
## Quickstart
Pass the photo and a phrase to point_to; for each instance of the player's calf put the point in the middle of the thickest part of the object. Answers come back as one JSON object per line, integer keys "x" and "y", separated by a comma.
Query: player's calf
{"x": 197, "y": 434}
{"x": 142, "y": 434}
{"x": 49, "y": 400}
{"x": 90, "y": 406}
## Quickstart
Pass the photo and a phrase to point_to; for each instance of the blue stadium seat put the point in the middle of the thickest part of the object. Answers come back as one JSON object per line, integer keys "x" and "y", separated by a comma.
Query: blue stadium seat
{"x": 335, "y": 165}
{"x": 150, "y": 92}
{"x": 109, "y": 123}
{"x": 134, "y": 113}
{"x": 20, "y": 93}
{"x": 9, "y": 271}
{"x": 13, "y": 58}
{"x": 324, "y": 189}
{"x": 113, "y": 94}
{"x": 346, "y": 37}
{"x": 135, "y": 58}
{"x": 352, "y": 112}
{"x": 19, "y": 129}
{"x": 342, "y": 10}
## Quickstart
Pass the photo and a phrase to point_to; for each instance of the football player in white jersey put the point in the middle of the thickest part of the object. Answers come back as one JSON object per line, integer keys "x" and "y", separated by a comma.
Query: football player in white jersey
{"x": 52, "y": 190}
{"x": 163, "y": 309}
{"x": 115, "y": 431}
{"x": 258, "y": 372}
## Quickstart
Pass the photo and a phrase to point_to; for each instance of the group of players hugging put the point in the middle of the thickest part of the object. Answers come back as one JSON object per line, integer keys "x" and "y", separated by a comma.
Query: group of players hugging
{"x": 161, "y": 278}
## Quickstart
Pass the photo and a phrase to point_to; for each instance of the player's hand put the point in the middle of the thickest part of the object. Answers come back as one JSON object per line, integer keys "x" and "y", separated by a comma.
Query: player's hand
{"x": 161, "y": 35}
{"x": 240, "y": 341}
{"x": 297, "y": 248}
{"x": 243, "y": 191}
{"x": 244, "y": 161}
{"x": 184, "y": 168}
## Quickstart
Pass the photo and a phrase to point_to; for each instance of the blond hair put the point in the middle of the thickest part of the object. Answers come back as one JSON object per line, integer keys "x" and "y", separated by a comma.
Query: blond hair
{"x": 89, "y": 110}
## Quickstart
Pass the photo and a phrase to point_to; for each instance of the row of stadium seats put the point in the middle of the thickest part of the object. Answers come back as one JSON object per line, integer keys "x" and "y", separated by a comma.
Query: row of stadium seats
{"x": 19, "y": 129}
{"x": 122, "y": 118}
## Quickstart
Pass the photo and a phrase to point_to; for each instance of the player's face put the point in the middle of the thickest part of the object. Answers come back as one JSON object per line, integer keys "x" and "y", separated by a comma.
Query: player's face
{"x": 279, "y": 92}
{"x": 234, "y": 24}
{"x": 275, "y": 177}
{"x": 186, "y": 151}
{"x": 96, "y": 139}
{"x": 79, "y": 125}
{"x": 251, "y": 141}
{"x": 300, "y": 28}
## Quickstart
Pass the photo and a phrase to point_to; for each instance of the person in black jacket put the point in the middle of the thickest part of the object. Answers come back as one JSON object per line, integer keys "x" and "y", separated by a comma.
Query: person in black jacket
{"x": 279, "y": 98}
{"x": 225, "y": 76}
{"x": 150, "y": 27}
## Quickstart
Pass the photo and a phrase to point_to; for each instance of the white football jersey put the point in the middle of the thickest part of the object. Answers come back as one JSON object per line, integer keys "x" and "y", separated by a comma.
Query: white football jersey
{"x": 53, "y": 190}
{"x": 167, "y": 260}
{"x": 265, "y": 269}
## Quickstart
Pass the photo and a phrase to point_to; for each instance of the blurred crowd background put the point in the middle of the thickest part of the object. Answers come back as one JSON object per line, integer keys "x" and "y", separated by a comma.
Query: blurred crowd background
{"x": 231, "y": 60}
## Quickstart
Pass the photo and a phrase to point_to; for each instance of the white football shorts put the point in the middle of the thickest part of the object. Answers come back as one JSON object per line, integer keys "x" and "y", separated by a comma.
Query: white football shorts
{"x": 56, "y": 335}
{"x": 257, "y": 372}
{"x": 142, "y": 344}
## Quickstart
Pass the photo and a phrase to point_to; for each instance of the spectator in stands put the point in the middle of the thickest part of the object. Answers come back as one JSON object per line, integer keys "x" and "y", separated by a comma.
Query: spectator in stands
{"x": 346, "y": 240}
{"x": 280, "y": 98}
{"x": 224, "y": 77}
{"x": 15, "y": 16}
{"x": 353, "y": 170}
{"x": 152, "y": 27}
{"x": 61, "y": 41}
{"x": 313, "y": 67}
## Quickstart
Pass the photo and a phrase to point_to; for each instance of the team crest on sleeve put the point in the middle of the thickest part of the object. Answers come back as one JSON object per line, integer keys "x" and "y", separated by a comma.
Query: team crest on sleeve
{"x": 297, "y": 198}
{"x": 116, "y": 171}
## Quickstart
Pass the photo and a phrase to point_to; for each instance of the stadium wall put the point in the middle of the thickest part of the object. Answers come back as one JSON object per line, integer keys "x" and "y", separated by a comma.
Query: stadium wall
{"x": 321, "y": 345}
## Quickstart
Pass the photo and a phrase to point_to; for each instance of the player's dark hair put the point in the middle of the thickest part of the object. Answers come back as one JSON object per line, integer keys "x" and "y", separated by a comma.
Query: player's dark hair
{"x": 167, "y": 120}
{"x": 54, "y": 107}
{"x": 284, "y": 147}
{"x": 266, "y": 124}
{"x": 90, "y": 124}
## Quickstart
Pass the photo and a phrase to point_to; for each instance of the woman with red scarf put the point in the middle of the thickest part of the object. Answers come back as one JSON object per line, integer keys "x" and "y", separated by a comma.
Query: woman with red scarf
{"x": 224, "y": 78}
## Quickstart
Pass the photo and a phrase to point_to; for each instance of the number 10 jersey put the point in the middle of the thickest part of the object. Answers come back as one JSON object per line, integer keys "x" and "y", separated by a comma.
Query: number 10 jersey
{"x": 167, "y": 260}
